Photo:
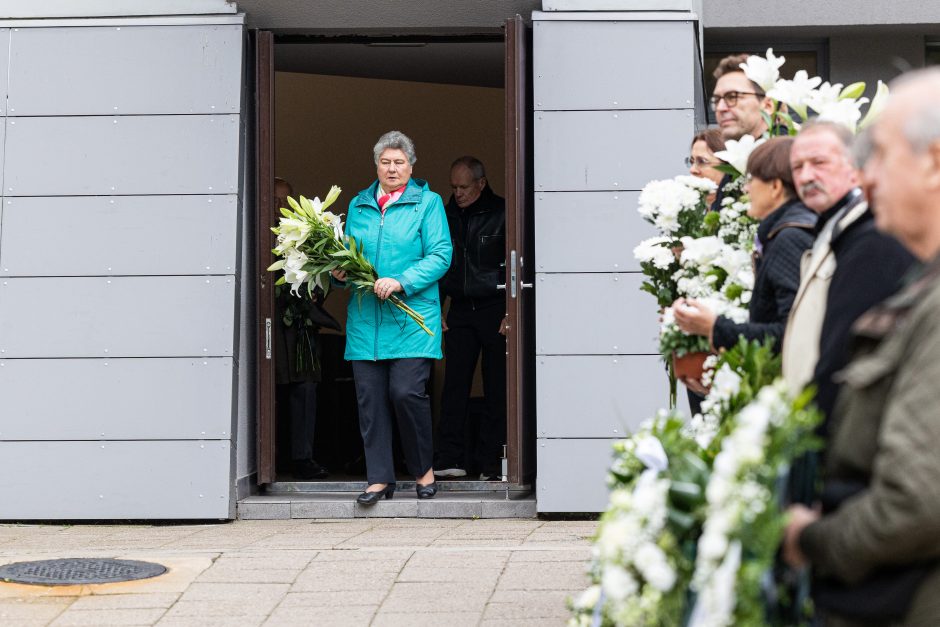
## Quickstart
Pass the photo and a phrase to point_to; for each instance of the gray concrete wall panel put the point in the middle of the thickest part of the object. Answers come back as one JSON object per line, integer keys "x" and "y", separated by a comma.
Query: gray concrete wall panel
{"x": 609, "y": 150}
{"x": 588, "y": 231}
{"x": 116, "y": 399}
{"x": 742, "y": 13}
{"x": 598, "y": 396}
{"x": 572, "y": 475}
{"x": 115, "y": 480}
{"x": 592, "y": 65}
{"x": 117, "y": 317}
{"x": 594, "y": 314}
{"x": 4, "y": 68}
{"x": 119, "y": 235}
{"x": 159, "y": 154}
{"x": 125, "y": 70}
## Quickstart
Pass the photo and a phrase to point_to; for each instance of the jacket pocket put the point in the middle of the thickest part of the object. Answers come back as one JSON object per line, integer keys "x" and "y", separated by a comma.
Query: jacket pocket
{"x": 492, "y": 251}
{"x": 867, "y": 371}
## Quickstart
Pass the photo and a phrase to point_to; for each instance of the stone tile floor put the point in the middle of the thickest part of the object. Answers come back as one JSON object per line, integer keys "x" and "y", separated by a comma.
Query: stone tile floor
{"x": 389, "y": 572}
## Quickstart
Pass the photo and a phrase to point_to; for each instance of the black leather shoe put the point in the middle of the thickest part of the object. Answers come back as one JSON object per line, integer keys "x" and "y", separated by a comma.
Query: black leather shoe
{"x": 371, "y": 498}
{"x": 306, "y": 469}
{"x": 426, "y": 491}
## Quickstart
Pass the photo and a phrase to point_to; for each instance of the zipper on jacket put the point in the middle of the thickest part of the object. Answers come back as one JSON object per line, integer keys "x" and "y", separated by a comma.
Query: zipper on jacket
{"x": 466, "y": 254}
{"x": 378, "y": 248}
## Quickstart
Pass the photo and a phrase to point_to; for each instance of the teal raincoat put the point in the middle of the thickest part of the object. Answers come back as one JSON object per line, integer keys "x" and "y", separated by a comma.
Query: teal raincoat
{"x": 410, "y": 244}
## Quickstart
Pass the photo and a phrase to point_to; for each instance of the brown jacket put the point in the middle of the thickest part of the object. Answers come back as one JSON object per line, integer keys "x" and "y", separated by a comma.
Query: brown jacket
{"x": 887, "y": 436}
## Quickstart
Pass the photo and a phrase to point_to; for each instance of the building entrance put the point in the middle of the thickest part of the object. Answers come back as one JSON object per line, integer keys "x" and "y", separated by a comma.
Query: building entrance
{"x": 322, "y": 103}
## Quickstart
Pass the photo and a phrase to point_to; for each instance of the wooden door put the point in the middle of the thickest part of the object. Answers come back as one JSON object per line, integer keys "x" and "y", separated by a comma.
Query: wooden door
{"x": 520, "y": 370}
{"x": 264, "y": 201}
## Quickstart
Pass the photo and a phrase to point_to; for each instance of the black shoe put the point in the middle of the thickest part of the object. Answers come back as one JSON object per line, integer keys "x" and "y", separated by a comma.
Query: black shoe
{"x": 426, "y": 491}
{"x": 371, "y": 498}
{"x": 306, "y": 469}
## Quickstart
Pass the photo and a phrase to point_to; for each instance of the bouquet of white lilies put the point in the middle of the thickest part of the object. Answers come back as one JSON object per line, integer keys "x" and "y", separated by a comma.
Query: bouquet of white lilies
{"x": 311, "y": 244}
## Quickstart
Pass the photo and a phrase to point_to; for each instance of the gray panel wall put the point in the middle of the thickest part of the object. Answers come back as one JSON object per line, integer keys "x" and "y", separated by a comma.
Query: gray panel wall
{"x": 600, "y": 135}
{"x": 118, "y": 256}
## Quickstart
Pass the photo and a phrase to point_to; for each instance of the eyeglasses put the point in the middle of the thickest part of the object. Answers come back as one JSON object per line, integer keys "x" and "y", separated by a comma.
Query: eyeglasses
{"x": 731, "y": 97}
{"x": 701, "y": 162}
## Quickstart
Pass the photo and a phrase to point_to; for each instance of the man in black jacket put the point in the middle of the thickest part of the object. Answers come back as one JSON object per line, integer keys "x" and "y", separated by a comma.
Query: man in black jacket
{"x": 861, "y": 265}
{"x": 475, "y": 322}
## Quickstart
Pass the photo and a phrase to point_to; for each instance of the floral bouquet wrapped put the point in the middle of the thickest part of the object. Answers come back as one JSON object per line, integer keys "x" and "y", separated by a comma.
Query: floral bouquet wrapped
{"x": 744, "y": 521}
{"x": 707, "y": 494}
{"x": 311, "y": 244}
{"x": 644, "y": 552}
{"x": 718, "y": 274}
{"x": 677, "y": 208}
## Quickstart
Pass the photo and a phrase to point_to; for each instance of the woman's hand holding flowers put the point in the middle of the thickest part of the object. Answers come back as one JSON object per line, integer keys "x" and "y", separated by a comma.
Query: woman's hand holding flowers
{"x": 386, "y": 287}
{"x": 693, "y": 317}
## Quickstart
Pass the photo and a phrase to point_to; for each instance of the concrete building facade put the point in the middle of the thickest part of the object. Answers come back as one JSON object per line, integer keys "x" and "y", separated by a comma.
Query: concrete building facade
{"x": 129, "y": 327}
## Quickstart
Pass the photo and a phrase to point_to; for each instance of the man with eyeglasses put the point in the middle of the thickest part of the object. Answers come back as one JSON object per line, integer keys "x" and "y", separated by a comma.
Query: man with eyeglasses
{"x": 739, "y": 105}
{"x": 737, "y": 101}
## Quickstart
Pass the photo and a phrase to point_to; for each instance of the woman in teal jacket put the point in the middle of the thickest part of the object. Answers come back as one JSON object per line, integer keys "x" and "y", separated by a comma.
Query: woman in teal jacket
{"x": 402, "y": 229}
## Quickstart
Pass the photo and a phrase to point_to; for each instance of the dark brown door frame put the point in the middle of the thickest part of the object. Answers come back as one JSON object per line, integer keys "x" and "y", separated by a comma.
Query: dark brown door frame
{"x": 519, "y": 411}
{"x": 519, "y": 337}
{"x": 264, "y": 158}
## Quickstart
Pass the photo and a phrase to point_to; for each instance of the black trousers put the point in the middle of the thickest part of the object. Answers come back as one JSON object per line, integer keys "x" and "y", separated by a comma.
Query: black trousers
{"x": 302, "y": 410}
{"x": 470, "y": 331}
{"x": 394, "y": 387}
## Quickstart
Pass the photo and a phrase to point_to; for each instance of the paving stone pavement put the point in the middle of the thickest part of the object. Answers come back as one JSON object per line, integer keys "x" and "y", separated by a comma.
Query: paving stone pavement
{"x": 383, "y": 572}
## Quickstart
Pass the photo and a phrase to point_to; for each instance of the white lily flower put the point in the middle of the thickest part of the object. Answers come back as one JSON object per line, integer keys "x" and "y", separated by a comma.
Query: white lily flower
{"x": 292, "y": 232}
{"x": 794, "y": 92}
{"x": 331, "y": 196}
{"x": 294, "y": 272}
{"x": 763, "y": 70}
{"x": 736, "y": 152}
{"x": 877, "y": 105}
{"x": 823, "y": 96}
{"x": 846, "y": 112}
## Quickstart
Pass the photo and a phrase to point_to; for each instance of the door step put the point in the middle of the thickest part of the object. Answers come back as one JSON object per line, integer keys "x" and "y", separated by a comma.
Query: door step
{"x": 443, "y": 485}
{"x": 449, "y": 503}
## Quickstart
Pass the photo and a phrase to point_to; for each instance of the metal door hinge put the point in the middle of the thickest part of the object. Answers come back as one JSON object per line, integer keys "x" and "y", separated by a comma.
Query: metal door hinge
{"x": 267, "y": 338}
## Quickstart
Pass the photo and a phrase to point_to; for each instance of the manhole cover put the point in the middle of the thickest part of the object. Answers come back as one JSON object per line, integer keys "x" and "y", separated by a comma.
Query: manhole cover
{"x": 68, "y": 572}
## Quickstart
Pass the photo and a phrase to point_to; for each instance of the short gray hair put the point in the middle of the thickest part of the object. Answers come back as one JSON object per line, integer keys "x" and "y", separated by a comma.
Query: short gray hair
{"x": 842, "y": 132}
{"x": 863, "y": 147}
{"x": 471, "y": 163}
{"x": 922, "y": 127}
{"x": 395, "y": 140}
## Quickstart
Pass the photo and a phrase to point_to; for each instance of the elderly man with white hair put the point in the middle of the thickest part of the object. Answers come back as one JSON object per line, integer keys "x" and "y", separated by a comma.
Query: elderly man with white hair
{"x": 875, "y": 545}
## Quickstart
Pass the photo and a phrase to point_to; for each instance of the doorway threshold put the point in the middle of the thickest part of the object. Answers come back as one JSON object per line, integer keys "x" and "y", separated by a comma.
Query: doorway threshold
{"x": 443, "y": 485}
{"x": 449, "y": 503}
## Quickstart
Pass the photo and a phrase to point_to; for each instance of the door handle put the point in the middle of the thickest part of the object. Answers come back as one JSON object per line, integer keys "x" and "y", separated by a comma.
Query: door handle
{"x": 524, "y": 285}
{"x": 501, "y": 286}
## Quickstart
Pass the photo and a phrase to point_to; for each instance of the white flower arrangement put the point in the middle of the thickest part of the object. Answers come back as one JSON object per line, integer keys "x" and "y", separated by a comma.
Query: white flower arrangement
{"x": 803, "y": 94}
{"x": 713, "y": 482}
{"x": 743, "y": 504}
{"x": 640, "y": 574}
{"x": 667, "y": 204}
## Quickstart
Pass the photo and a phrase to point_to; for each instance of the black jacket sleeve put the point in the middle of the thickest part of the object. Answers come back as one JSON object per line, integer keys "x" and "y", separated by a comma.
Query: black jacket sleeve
{"x": 780, "y": 272}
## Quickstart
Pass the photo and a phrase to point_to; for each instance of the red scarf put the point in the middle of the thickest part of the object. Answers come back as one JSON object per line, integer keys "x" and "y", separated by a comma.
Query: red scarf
{"x": 390, "y": 197}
